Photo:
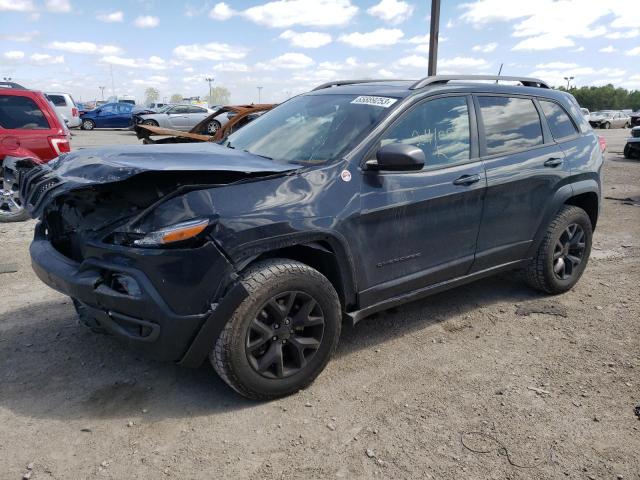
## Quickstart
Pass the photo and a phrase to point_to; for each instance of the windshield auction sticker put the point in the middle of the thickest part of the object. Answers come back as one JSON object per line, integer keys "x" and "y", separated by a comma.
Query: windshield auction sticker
{"x": 384, "y": 102}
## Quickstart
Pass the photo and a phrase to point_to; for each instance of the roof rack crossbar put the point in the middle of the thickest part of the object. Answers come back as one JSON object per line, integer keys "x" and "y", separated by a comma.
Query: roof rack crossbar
{"x": 527, "y": 82}
{"x": 339, "y": 83}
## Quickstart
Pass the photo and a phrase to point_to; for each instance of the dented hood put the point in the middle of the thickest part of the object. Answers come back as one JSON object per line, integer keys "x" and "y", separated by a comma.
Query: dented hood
{"x": 114, "y": 164}
{"x": 100, "y": 166}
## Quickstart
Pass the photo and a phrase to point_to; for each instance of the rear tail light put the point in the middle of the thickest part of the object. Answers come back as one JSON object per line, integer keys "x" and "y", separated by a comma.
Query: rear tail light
{"x": 60, "y": 144}
{"x": 74, "y": 112}
{"x": 603, "y": 143}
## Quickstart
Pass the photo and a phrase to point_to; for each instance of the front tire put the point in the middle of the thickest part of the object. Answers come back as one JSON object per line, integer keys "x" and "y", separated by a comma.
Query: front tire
{"x": 151, "y": 123}
{"x": 563, "y": 253}
{"x": 11, "y": 207}
{"x": 212, "y": 127}
{"x": 282, "y": 335}
{"x": 606, "y": 125}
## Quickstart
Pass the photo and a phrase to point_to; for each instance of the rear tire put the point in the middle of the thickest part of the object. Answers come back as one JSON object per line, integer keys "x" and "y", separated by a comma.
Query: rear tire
{"x": 282, "y": 335}
{"x": 88, "y": 125}
{"x": 631, "y": 153}
{"x": 563, "y": 253}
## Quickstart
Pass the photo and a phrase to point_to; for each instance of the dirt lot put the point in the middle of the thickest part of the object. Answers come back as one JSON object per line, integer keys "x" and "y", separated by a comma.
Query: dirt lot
{"x": 543, "y": 395}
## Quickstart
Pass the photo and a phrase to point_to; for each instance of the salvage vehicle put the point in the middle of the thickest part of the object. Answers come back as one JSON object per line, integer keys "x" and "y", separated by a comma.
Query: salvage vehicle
{"x": 635, "y": 119}
{"x": 109, "y": 115}
{"x": 29, "y": 127}
{"x": 350, "y": 199}
{"x": 609, "y": 119}
{"x": 177, "y": 117}
{"x": 66, "y": 107}
{"x": 632, "y": 148}
{"x": 235, "y": 117}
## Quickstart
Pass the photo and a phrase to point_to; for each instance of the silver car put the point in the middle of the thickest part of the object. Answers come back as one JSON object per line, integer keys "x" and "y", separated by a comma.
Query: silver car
{"x": 179, "y": 117}
{"x": 609, "y": 119}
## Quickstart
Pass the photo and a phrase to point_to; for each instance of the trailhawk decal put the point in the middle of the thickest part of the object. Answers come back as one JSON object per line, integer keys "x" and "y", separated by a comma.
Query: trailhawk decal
{"x": 384, "y": 102}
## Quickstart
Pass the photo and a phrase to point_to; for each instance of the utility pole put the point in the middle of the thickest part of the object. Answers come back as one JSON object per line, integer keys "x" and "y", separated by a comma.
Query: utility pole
{"x": 210, "y": 79}
{"x": 113, "y": 90}
{"x": 568, "y": 79}
{"x": 433, "y": 37}
{"x": 259, "y": 94}
{"x": 102, "y": 92}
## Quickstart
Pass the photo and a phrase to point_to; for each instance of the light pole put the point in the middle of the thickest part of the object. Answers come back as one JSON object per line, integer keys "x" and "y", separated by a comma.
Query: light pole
{"x": 568, "y": 79}
{"x": 102, "y": 92}
{"x": 433, "y": 37}
{"x": 210, "y": 79}
{"x": 259, "y": 94}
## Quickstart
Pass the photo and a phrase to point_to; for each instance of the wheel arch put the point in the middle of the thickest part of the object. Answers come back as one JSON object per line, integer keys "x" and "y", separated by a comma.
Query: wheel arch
{"x": 323, "y": 252}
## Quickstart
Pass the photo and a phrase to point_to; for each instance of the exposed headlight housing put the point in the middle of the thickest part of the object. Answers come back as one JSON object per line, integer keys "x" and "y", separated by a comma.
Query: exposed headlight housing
{"x": 172, "y": 234}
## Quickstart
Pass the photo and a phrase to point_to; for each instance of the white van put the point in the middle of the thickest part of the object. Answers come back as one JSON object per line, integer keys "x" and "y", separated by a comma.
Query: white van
{"x": 66, "y": 107}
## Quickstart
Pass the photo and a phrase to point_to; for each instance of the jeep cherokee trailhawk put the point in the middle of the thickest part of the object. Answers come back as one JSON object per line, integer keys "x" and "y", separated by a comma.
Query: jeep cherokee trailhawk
{"x": 347, "y": 200}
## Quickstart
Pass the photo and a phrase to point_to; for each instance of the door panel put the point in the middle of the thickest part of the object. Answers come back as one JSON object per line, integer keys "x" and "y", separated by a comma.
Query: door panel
{"x": 417, "y": 229}
{"x": 420, "y": 228}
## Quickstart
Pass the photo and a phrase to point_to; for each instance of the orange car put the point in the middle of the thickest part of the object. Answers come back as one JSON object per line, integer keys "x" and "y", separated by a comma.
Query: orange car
{"x": 239, "y": 115}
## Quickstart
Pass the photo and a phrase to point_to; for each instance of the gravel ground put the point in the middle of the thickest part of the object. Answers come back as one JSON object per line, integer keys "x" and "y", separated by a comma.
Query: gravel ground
{"x": 490, "y": 380}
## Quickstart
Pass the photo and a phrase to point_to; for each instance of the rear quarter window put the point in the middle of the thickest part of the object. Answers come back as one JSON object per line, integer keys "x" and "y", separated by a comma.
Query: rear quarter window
{"x": 57, "y": 100}
{"x": 510, "y": 124}
{"x": 558, "y": 119}
{"x": 21, "y": 113}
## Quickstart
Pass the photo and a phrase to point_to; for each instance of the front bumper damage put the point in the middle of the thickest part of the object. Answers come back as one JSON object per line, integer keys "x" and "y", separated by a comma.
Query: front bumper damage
{"x": 126, "y": 293}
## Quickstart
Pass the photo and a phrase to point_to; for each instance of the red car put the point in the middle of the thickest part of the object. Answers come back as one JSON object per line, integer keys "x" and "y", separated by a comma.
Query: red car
{"x": 29, "y": 127}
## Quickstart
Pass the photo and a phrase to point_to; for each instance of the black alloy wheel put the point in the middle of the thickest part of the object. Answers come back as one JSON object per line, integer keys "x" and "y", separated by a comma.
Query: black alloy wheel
{"x": 285, "y": 335}
{"x": 568, "y": 251}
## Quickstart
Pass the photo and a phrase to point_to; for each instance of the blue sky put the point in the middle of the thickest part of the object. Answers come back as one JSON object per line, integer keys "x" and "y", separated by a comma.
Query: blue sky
{"x": 288, "y": 46}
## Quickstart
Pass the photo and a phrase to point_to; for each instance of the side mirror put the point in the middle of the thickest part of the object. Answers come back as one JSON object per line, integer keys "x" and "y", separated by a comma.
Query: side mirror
{"x": 398, "y": 157}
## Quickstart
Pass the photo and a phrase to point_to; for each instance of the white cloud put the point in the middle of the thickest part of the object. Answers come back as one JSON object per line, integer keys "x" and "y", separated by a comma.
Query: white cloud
{"x": 554, "y": 74}
{"x": 46, "y": 59}
{"x": 419, "y": 39}
{"x": 626, "y": 34}
{"x": 306, "y": 39}
{"x": 13, "y": 55}
{"x": 487, "y": 48}
{"x": 462, "y": 62}
{"x": 557, "y": 65}
{"x": 16, "y": 5}
{"x": 380, "y": 37}
{"x": 153, "y": 62}
{"x": 146, "y": 21}
{"x": 231, "y": 67}
{"x": 544, "y": 42}
{"x": 88, "y": 48}
{"x": 288, "y": 13}
{"x": 111, "y": 17}
{"x": 634, "y": 52}
{"x": 413, "y": 61}
{"x": 210, "y": 51}
{"x": 608, "y": 49}
{"x": 58, "y": 6}
{"x": 221, "y": 11}
{"x": 20, "y": 37}
{"x": 152, "y": 81}
{"x": 549, "y": 24}
{"x": 289, "y": 61}
{"x": 392, "y": 11}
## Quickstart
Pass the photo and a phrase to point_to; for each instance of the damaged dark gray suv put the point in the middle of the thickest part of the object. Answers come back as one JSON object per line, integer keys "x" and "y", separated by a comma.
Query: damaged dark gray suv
{"x": 350, "y": 199}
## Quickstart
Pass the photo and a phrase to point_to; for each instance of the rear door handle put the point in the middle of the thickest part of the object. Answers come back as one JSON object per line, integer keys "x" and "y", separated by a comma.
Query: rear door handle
{"x": 467, "y": 180}
{"x": 553, "y": 162}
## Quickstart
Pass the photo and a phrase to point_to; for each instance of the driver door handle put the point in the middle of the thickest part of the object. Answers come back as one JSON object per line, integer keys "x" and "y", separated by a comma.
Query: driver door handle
{"x": 553, "y": 162}
{"x": 467, "y": 180}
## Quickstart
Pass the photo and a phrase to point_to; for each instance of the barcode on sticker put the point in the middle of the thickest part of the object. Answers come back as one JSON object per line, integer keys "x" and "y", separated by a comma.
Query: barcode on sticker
{"x": 384, "y": 102}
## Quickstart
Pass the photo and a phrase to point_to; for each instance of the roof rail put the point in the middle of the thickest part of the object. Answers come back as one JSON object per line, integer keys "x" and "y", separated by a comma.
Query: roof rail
{"x": 527, "y": 82}
{"x": 339, "y": 83}
{"x": 14, "y": 85}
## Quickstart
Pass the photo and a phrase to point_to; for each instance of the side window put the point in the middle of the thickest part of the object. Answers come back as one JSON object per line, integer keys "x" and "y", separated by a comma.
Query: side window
{"x": 558, "y": 119}
{"x": 510, "y": 124}
{"x": 439, "y": 127}
{"x": 21, "y": 113}
{"x": 180, "y": 109}
{"x": 57, "y": 100}
{"x": 196, "y": 110}
{"x": 108, "y": 110}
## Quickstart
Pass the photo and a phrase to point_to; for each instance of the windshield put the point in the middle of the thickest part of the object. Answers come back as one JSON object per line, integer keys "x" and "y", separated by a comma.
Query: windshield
{"x": 311, "y": 129}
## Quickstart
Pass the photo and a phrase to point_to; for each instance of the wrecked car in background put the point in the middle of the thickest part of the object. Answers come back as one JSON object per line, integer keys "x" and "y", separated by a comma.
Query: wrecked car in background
{"x": 230, "y": 117}
{"x": 181, "y": 117}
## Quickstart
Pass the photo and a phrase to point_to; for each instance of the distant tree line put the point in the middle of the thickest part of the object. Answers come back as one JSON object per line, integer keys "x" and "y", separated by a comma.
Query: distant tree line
{"x": 606, "y": 97}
